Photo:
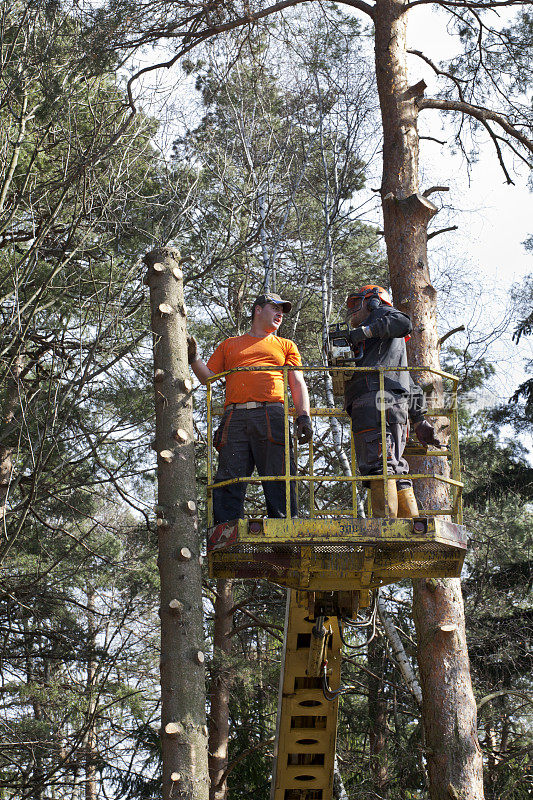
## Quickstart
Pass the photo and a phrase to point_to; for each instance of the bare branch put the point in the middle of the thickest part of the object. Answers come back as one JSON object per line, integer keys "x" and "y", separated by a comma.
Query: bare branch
{"x": 441, "y": 230}
{"x": 457, "y": 81}
{"x": 435, "y": 189}
{"x": 432, "y": 139}
{"x": 193, "y": 38}
{"x": 451, "y": 333}
{"x": 481, "y": 114}
{"x": 256, "y": 622}
{"x": 241, "y": 757}
{"x": 466, "y": 3}
{"x": 526, "y": 696}
{"x": 498, "y": 152}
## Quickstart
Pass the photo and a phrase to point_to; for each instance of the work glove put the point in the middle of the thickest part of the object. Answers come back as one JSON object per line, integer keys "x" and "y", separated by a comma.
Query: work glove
{"x": 357, "y": 335}
{"x": 192, "y": 349}
{"x": 304, "y": 429}
{"x": 425, "y": 433}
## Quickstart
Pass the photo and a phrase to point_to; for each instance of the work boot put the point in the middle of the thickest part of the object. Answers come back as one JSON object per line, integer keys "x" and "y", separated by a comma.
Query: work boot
{"x": 377, "y": 496}
{"x": 407, "y": 505}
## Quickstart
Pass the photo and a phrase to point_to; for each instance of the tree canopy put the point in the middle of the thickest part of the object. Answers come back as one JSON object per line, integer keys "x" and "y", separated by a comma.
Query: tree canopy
{"x": 262, "y": 187}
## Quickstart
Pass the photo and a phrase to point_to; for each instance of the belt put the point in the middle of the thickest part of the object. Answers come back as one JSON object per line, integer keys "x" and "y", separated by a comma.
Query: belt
{"x": 252, "y": 404}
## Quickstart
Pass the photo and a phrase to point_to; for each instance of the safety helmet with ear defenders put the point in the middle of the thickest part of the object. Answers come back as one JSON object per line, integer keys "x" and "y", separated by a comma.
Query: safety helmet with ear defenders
{"x": 375, "y": 294}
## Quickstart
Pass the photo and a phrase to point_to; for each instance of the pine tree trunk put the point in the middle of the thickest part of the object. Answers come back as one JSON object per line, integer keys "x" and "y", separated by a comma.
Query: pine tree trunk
{"x": 12, "y": 402}
{"x": 220, "y": 690}
{"x": 36, "y": 778}
{"x": 492, "y": 766}
{"x": 90, "y": 754}
{"x": 377, "y": 714}
{"x": 183, "y": 725}
{"x": 449, "y": 710}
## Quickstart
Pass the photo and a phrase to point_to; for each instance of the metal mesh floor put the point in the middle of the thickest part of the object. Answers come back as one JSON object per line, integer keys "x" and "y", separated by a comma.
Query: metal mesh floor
{"x": 340, "y": 555}
{"x": 430, "y": 559}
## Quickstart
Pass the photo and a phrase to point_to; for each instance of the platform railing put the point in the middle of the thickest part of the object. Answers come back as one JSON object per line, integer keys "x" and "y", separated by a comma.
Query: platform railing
{"x": 451, "y": 451}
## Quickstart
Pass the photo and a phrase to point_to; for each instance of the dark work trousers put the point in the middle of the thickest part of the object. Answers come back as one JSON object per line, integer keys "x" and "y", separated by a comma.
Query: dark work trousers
{"x": 248, "y": 438}
{"x": 367, "y": 440}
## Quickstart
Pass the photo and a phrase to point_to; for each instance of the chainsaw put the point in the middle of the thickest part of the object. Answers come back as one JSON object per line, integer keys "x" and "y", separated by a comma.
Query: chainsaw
{"x": 340, "y": 353}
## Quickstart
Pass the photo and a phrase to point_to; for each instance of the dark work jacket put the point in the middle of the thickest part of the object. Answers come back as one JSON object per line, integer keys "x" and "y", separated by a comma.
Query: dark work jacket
{"x": 386, "y": 348}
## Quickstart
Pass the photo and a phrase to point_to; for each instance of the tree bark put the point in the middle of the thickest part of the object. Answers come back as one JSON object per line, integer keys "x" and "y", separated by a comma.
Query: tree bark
{"x": 11, "y": 405}
{"x": 183, "y": 725}
{"x": 90, "y": 754}
{"x": 36, "y": 779}
{"x": 377, "y": 714}
{"x": 492, "y": 767}
{"x": 220, "y": 690}
{"x": 449, "y": 710}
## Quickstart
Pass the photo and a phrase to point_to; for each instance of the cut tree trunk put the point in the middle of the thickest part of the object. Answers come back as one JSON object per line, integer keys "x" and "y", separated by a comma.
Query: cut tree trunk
{"x": 220, "y": 690}
{"x": 449, "y": 710}
{"x": 183, "y": 724}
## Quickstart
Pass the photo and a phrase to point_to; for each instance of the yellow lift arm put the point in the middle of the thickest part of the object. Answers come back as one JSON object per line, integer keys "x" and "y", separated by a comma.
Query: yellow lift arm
{"x": 307, "y": 721}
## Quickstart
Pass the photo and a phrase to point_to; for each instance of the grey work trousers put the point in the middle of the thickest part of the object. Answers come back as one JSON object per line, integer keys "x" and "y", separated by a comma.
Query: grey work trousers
{"x": 368, "y": 452}
{"x": 248, "y": 438}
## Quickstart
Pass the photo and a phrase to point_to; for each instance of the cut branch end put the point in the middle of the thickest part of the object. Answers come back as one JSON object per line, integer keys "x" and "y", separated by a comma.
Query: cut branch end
{"x": 173, "y": 728}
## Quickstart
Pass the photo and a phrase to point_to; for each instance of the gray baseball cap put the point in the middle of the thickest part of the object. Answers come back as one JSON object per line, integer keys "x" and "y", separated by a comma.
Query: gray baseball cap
{"x": 271, "y": 297}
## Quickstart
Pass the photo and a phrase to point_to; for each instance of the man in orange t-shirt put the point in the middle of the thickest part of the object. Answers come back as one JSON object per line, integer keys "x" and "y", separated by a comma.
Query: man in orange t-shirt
{"x": 252, "y": 431}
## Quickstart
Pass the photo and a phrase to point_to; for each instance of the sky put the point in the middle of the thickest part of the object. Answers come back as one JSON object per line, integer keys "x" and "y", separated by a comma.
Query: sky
{"x": 493, "y": 220}
{"x": 499, "y": 217}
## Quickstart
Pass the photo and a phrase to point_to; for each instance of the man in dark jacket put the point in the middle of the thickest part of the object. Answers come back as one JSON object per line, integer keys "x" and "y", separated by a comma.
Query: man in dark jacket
{"x": 378, "y": 340}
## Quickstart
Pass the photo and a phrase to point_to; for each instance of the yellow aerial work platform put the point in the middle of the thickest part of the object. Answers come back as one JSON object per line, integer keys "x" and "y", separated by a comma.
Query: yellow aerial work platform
{"x": 333, "y": 560}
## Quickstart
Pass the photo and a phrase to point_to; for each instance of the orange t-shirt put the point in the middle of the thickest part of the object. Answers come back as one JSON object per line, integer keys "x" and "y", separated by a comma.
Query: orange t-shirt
{"x": 249, "y": 351}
